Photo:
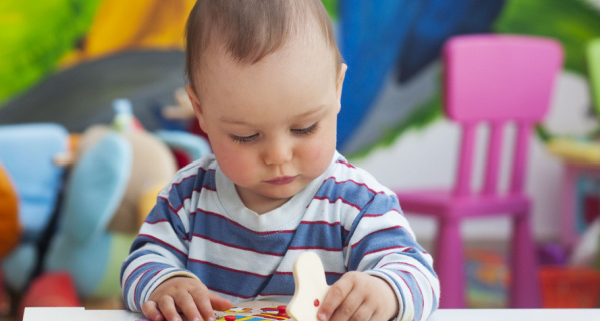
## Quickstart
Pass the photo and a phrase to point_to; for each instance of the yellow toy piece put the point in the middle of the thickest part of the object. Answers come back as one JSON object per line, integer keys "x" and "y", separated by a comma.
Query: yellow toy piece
{"x": 575, "y": 150}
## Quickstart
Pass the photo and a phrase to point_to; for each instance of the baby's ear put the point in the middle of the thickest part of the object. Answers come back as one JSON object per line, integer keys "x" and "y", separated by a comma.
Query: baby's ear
{"x": 340, "y": 80}
{"x": 196, "y": 105}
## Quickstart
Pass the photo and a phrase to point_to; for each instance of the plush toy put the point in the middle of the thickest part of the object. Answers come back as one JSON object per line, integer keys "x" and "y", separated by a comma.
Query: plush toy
{"x": 587, "y": 250}
{"x": 117, "y": 173}
{"x": 10, "y": 229}
{"x": 27, "y": 152}
{"x": 83, "y": 245}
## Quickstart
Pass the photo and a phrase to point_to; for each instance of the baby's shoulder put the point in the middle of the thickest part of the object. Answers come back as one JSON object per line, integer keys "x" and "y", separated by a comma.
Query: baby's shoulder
{"x": 345, "y": 175}
{"x": 199, "y": 173}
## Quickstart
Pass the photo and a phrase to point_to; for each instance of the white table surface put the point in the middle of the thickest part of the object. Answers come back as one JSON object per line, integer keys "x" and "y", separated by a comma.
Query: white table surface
{"x": 78, "y": 314}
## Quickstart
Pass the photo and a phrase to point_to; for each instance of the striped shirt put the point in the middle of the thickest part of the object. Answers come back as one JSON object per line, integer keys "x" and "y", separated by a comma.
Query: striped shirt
{"x": 200, "y": 228}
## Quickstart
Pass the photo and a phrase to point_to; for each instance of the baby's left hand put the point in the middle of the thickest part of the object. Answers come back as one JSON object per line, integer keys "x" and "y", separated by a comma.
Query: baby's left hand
{"x": 359, "y": 296}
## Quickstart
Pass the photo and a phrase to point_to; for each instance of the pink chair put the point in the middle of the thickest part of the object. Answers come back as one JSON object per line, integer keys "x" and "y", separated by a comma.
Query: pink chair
{"x": 496, "y": 80}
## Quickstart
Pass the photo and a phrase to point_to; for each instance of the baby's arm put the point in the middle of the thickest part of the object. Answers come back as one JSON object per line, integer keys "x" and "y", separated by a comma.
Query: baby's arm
{"x": 154, "y": 277}
{"x": 188, "y": 295}
{"x": 383, "y": 247}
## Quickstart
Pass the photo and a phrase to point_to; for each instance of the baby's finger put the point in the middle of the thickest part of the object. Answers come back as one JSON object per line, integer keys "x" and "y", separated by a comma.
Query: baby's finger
{"x": 150, "y": 310}
{"x": 186, "y": 303}
{"x": 336, "y": 294}
{"x": 218, "y": 302}
{"x": 166, "y": 305}
{"x": 348, "y": 308}
{"x": 364, "y": 312}
{"x": 202, "y": 303}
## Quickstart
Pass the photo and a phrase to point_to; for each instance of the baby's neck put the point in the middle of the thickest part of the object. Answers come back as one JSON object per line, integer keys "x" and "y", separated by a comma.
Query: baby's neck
{"x": 261, "y": 205}
{"x": 265, "y": 207}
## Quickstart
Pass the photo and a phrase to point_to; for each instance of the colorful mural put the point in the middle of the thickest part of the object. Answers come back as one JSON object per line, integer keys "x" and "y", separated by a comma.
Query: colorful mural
{"x": 66, "y": 60}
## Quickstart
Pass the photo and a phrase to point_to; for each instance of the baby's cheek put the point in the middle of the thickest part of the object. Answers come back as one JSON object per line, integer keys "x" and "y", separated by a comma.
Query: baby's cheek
{"x": 236, "y": 166}
{"x": 318, "y": 155}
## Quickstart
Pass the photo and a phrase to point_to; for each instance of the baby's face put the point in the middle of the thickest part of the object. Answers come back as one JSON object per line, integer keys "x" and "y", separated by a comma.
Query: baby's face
{"x": 272, "y": 125}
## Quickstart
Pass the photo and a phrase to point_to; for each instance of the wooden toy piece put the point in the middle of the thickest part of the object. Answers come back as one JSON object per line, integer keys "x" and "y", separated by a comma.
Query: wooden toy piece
{"x": 254, "y": 311}
{"x": 311, "y": 287}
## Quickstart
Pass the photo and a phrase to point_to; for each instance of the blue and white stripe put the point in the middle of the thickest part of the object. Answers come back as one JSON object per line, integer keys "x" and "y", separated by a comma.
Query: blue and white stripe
{"x": 352, "y": 222}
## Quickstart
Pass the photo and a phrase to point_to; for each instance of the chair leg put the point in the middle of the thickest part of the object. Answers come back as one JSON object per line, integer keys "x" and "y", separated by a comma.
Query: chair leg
{"x": 525, "y": 284}
{"x": 449, "y": 265}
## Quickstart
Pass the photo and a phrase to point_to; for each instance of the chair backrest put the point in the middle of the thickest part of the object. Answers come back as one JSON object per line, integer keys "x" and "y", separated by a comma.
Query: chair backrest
{"x": 498, "y": 79}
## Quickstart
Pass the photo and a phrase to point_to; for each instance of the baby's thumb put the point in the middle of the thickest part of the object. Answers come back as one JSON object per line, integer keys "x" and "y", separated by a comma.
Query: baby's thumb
{"x": 219, "y": 303}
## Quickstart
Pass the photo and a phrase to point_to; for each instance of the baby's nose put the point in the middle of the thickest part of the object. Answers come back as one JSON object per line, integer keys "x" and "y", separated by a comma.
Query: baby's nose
{"x": 278, "y": 153}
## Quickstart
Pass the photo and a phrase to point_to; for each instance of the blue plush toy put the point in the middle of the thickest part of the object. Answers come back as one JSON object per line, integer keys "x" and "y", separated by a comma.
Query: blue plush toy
{"x": 27, "y": 153}
{"x": 82, "y": 245}
{"x": 117, "y": 173}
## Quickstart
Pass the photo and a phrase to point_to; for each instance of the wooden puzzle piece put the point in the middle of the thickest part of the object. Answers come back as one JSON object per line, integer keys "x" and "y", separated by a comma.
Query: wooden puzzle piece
{"x": 254, "y": 311}
{"x": 311, "y": 287}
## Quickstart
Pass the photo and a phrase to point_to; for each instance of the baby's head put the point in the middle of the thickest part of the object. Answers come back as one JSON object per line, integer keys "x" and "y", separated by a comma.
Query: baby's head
{"x": 265, "y": 80}
{"x": 249, "y": 30}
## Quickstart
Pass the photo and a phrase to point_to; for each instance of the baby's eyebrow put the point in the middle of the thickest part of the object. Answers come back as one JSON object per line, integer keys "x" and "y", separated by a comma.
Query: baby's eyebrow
{"x": 234, "y": 121}
{"x": 230, "y": 120}
{"x": 310, "y": 112}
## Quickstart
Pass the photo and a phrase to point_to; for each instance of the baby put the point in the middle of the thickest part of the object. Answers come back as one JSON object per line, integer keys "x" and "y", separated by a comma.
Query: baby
{"x": 265, "y": 81}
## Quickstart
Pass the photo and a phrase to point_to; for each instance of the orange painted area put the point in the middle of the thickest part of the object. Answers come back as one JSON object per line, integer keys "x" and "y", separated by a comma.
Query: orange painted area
{"x": 133, "y": 25}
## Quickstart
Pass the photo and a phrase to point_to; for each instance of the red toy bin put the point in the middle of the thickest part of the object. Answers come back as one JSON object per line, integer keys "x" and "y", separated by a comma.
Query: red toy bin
{"x": 570, "y": 287}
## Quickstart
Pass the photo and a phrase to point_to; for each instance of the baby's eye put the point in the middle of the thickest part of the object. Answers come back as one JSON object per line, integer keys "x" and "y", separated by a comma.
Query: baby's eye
{"x": 307, "y": 130}
{"x": 244, "y": 139}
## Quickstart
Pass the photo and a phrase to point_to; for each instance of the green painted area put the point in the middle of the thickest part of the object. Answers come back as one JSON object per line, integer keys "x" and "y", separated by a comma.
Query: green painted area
{"x": 35, "y": 35}
{"x": 593, "y": 59}
{"x": 332, "y": 8}
{"x": 572, "y": 22}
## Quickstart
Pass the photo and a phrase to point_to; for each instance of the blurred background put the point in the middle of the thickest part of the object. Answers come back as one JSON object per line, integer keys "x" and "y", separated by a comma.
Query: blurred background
{"x": 74, "y": 71}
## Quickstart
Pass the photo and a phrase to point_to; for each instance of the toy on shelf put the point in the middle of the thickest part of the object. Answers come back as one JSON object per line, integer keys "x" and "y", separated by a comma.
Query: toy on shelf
{"x": 117, "y": 173}
{"x": 487, "y": 279}
{"x": 84, "y": 245}
{"x": 580, "y": 186}
{"x": 578, "y": 150}
{"x": 570, "y": 287}
{"x": 10, "y": 229}
{"x": 27, "y": 152}
{"x": 586, "y": 251}
{"x": 180, "y": 115}
{"x": 182, "y": 110}
{"x": 82, "y": 223}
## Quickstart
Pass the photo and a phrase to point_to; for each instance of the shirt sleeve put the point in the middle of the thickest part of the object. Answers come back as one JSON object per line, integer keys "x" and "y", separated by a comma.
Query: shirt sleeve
{"x": 160, "y": 250}
{"x": 382, "y": 244}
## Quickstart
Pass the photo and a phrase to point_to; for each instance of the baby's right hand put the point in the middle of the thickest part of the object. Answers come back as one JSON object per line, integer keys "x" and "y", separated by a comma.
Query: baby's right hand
{"x": 186, "y": 295}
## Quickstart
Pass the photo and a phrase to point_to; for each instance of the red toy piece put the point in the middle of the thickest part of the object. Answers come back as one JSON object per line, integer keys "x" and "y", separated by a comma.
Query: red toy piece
{"x": 281, "y": 311}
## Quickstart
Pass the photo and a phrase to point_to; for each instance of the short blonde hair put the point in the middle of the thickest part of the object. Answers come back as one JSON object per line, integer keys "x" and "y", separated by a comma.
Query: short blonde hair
{"x": 249, "y": 30}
